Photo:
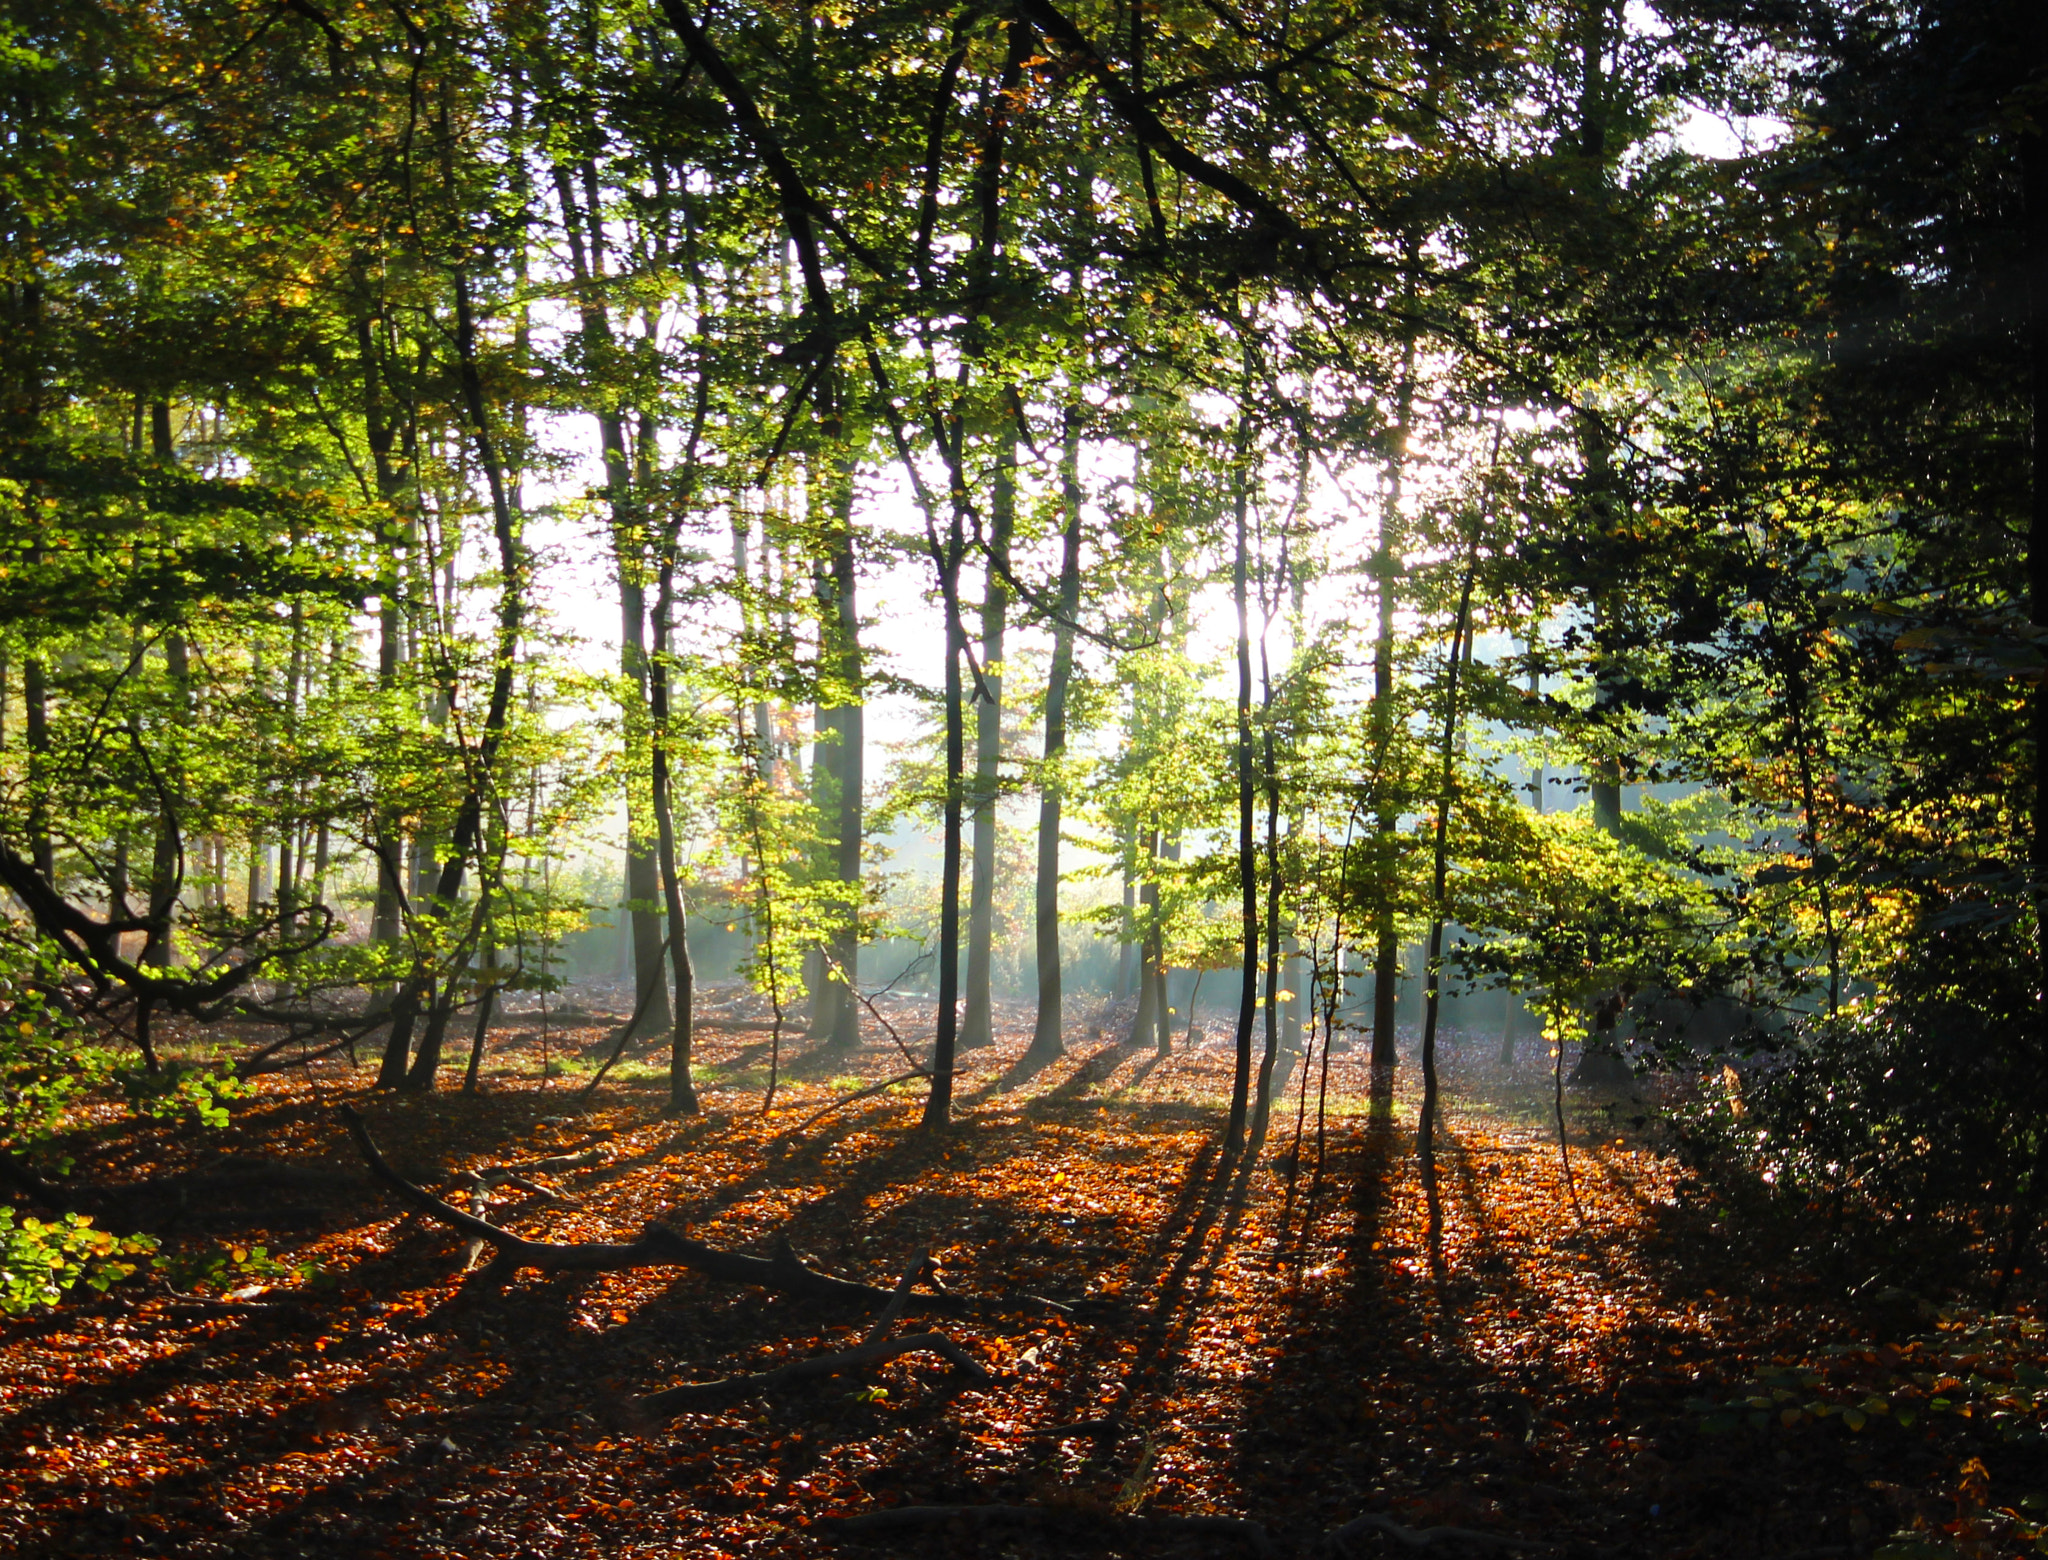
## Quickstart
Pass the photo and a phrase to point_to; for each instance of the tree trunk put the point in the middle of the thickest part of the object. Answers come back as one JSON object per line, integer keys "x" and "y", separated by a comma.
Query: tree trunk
{"x": 1386, "y": 965}
{"x": 976, "y": 1028}
{"x": 938, "y": 1111}
{"x": 1298, "y": 980}
{"x": 380, "y": 430}
{"x": 1425, "y": 1130}
{"x": 35, "y": 698}
{"x": 629, "y": 556}
{"x": 1169, "y": 850}
{"x": 1247, "y": 845}
{"x": 466, "y": 835}
{"x": 1264, "y": 1102}
{"x": 1046, "y": 1040}
{"x": 1595, "y": 439}
{"x": 2034, "y": 193}
{"x": 643, "y": 872}
{"x": 1127, "y": 940}
{"x": 1145, "y": 1020}
{"x": 682, "y": 1086}
{"x": 839, "y": 770}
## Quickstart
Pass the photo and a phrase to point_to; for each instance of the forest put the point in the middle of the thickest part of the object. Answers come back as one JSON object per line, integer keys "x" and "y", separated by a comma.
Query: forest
{"x": 1023, "y": 777}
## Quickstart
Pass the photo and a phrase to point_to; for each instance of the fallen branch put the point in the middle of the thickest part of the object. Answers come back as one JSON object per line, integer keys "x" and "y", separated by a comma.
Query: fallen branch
{"x": 710, "y": 1396}
{"x": 1426, "y": 1538}
{"x": 624, "y": 1035}
{"x": 1098, "y": 1429}
{"x": 854, "y": 1098}
{"x": 177, "y": 1300}
{"x": 522, "y": 1175}
{"x": 656, "y": 1246}
{"x": 919, "y": 1266}
{"x": 262, "y": 1063}
{"x": 345, "y": 1028}
{"x": 922, "y": 1519}
{"x": 477, "y": 1182}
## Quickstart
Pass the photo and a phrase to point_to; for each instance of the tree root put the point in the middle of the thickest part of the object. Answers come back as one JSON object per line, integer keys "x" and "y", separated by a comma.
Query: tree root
{"x": 710, "y": 1396}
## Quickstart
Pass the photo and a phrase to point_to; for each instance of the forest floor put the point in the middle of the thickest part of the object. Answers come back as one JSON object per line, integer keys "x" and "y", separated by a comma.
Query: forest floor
{"x": 1663, "y": 1373}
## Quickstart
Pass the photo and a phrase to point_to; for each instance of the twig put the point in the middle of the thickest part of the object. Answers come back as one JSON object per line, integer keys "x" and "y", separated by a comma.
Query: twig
{"x": 874, "y": 1012}
{"x": 178, "y": 1300}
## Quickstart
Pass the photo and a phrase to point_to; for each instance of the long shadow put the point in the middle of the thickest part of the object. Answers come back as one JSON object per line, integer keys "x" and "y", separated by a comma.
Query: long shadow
{"x": 1022, "y": 1071}
{"x": 1158, "y": 1275}
{"x": 1139, "y": 1074}
{"x": 1520, "y": 1391}
{"x": 1098, "y": 1067}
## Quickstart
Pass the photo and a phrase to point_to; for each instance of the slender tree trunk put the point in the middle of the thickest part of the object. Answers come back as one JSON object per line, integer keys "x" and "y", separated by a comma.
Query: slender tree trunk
{"x": 290, "y": 864}
{"x": 167, "y": 853}
{"x": 1299, "y": 977}
{"x": 976, "y": 1028}
{"x": 486, "y": 1004}
{"x": 466, "y": 835}
{"x": 1162, "y": 1010}
{"x": 840, "y": 769}
{"x": 938, "y": 1111}
{"x": 1595, "y": 439}
{"x": 35, "y": 699}
{"x": 1425, "y": 1130}
{"x": 1046, "y": 1042}
{"x": 1127, "y": 940}
{"x": 1145, "y": 1020}
{"x": 1264, "y": 1101}
{"x": 2034, "y": 187}
{"x": 1386, "y": 965}
{"x": 682, "y": 1086}
{"x": 1247, "y": 844}
{"x": 380, "y": 433}
{"x": 585, "y": 232}
{"x": 643, "y": 872}
{"x": 166, "y": 862}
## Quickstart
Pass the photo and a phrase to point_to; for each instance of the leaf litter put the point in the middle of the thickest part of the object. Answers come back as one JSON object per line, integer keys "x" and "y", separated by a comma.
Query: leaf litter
{"x": 1275, "y": 1344}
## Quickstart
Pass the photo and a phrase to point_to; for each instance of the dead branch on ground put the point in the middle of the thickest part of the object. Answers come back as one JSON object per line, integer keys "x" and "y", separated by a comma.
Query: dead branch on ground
{"x": 1255, "y": 1535}
{"x": 924, "y": 1519}
{"x": 921, "y": 1266}
{"x": 711, "y": 1396}
{"x": 854, "y": 1098}
{"x": 656, "y": 1246}
{"x": 1339, "y": 1539}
